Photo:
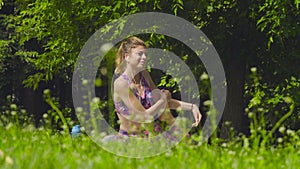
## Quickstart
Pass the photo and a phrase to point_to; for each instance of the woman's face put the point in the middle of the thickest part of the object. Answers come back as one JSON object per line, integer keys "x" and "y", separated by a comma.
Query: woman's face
{"x": 137, "y": 57}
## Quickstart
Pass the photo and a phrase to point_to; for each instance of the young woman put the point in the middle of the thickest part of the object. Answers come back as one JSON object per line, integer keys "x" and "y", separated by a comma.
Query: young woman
{"x": 137, "y": 99}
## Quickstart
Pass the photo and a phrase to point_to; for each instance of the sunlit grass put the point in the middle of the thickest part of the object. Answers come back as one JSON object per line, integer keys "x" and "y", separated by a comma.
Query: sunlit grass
{"x": 34, "y": 148}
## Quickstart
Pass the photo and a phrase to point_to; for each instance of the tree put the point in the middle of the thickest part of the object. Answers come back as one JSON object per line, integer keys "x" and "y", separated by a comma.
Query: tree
{"x": 46, "y": 37}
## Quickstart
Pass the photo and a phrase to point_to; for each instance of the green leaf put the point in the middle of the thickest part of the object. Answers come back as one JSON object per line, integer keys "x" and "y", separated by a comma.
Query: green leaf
{"x": 297, "y": 2}
{"x": 1, "y": 3}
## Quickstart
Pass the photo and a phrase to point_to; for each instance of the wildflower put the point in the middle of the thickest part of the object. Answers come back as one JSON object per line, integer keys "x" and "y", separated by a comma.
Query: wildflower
{"x": 71, "y": 122}
{"x": 85, "y": 82}
{"x": 45, "y": 115}
{"x": 282, "y": 129}
{"x": 246, "y": 110}
{"x": 103, "y": 134}
{"x": 1, "y": 154}
{"x": 227, "y": 123}
{"x": 96, "y": 100}
{"x": 187, "y": 78}
{"x": 280, "y": 140}
{"x": 259, "y": 158}
{"x": 168, "y": 153}
{"x": 290, "y": 132}
{"x": 288, "y": 100}
{"x": 106, "y": 47}
{"x": 204, "y": 76}
{"x": 209, "y": 113}
{"x": 253, "y": 69}
{"x": 207, "y": 103}
{"x": 8, "y": 160}
{"x": 46, "y": 91}
{"x": 13, "y": 106}
{"x": 179, "y": 110}
{"x": 79, "y": 109}
{"x": 230, "y": 152}
{"x": 82, "y": 129}
{"x": 260, "y": 109}
{"x": 13, "y": 113}
{"x": 103, "y": 71}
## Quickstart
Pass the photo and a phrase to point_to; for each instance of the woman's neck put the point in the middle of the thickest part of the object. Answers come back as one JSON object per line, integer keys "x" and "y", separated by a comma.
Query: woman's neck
{"x": 132, "y": 74}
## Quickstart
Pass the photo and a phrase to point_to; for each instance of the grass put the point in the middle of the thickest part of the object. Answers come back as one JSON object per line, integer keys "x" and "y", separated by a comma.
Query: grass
{"x": 34, "y": 148}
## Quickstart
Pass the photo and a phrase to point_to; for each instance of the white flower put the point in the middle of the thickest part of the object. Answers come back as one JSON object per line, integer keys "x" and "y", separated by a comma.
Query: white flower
{"x": 288, "y": 100}
{"x": 282, "y": 129}
{"x": 103, "y": 71}
{"x": 231, "y": 152}
{"x": 96, "y": 100}
{"x": 280, "y": 140}
{"x": 9, "y": 160}
{"x": 290, "y": 132}
{"x": 106, "y": 47}
{"x": 13, "y": 113}
{"x": 79, "y": 109}
{"x": 45, "y": 115}
{"x": 103, "y": 134}
{"x": 207, "y": 103}
{"x": 1, "y": 154}
{"x": 227, "y": 123}
{"x": 13, "y": 106}
{"x": 253, "y": 69}
{"x": 46, "y": 91}
{"x": 204, "y": 76}
{"x": 260, "y": 109}
{"x": 85, "y": 82}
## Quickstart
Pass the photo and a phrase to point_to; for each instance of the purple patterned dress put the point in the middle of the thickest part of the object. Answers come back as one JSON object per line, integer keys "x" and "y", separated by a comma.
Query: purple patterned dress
{"x": 146, "y": 100}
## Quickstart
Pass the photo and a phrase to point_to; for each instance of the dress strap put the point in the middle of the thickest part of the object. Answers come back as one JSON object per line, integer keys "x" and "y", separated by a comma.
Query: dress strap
{"x": 126, "y": 78}
{"x": 129, "y": 81}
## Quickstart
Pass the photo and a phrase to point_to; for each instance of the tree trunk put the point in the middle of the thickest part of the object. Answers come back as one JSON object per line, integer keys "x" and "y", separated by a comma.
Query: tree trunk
{"x": 234, "y": 107}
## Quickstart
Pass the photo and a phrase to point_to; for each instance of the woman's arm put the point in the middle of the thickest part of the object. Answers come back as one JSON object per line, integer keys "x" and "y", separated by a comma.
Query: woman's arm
{"x": 176, "y": 104}
{"x": 140, "y": 114}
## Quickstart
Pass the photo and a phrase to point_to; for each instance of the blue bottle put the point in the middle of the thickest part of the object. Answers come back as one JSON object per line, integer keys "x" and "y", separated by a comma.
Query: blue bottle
{"x": 76, "y": 132}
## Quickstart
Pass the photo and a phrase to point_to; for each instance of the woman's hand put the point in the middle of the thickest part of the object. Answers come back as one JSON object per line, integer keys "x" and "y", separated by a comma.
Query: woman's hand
{"x": 197, "y": 115}
{"x": 161, "y": 94}
{"x": 168, "y": 94}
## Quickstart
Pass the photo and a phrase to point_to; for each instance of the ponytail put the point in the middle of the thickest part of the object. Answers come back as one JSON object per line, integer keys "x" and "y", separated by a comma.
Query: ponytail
{"x": 120, "y": 65}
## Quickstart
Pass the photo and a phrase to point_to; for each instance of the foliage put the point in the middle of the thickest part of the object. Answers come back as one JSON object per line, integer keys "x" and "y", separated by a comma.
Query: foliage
{"x": 59, "y": 30}
{"x": 1, "y": 3}
{"x": 275, "y": 16}
{"x": 13, "y": 115}
{"x": 34, "y": 148}
{"x": 271, "y": 108}
{"x": 40, "y": 40}
{"x": 58, "y": 113}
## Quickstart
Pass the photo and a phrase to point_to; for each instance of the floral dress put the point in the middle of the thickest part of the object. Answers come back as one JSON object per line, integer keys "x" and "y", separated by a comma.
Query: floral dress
{"x": 146, "y": 100}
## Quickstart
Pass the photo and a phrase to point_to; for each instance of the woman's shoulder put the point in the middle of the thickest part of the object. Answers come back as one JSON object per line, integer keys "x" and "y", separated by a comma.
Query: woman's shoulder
{"x": 120, "y": 83}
